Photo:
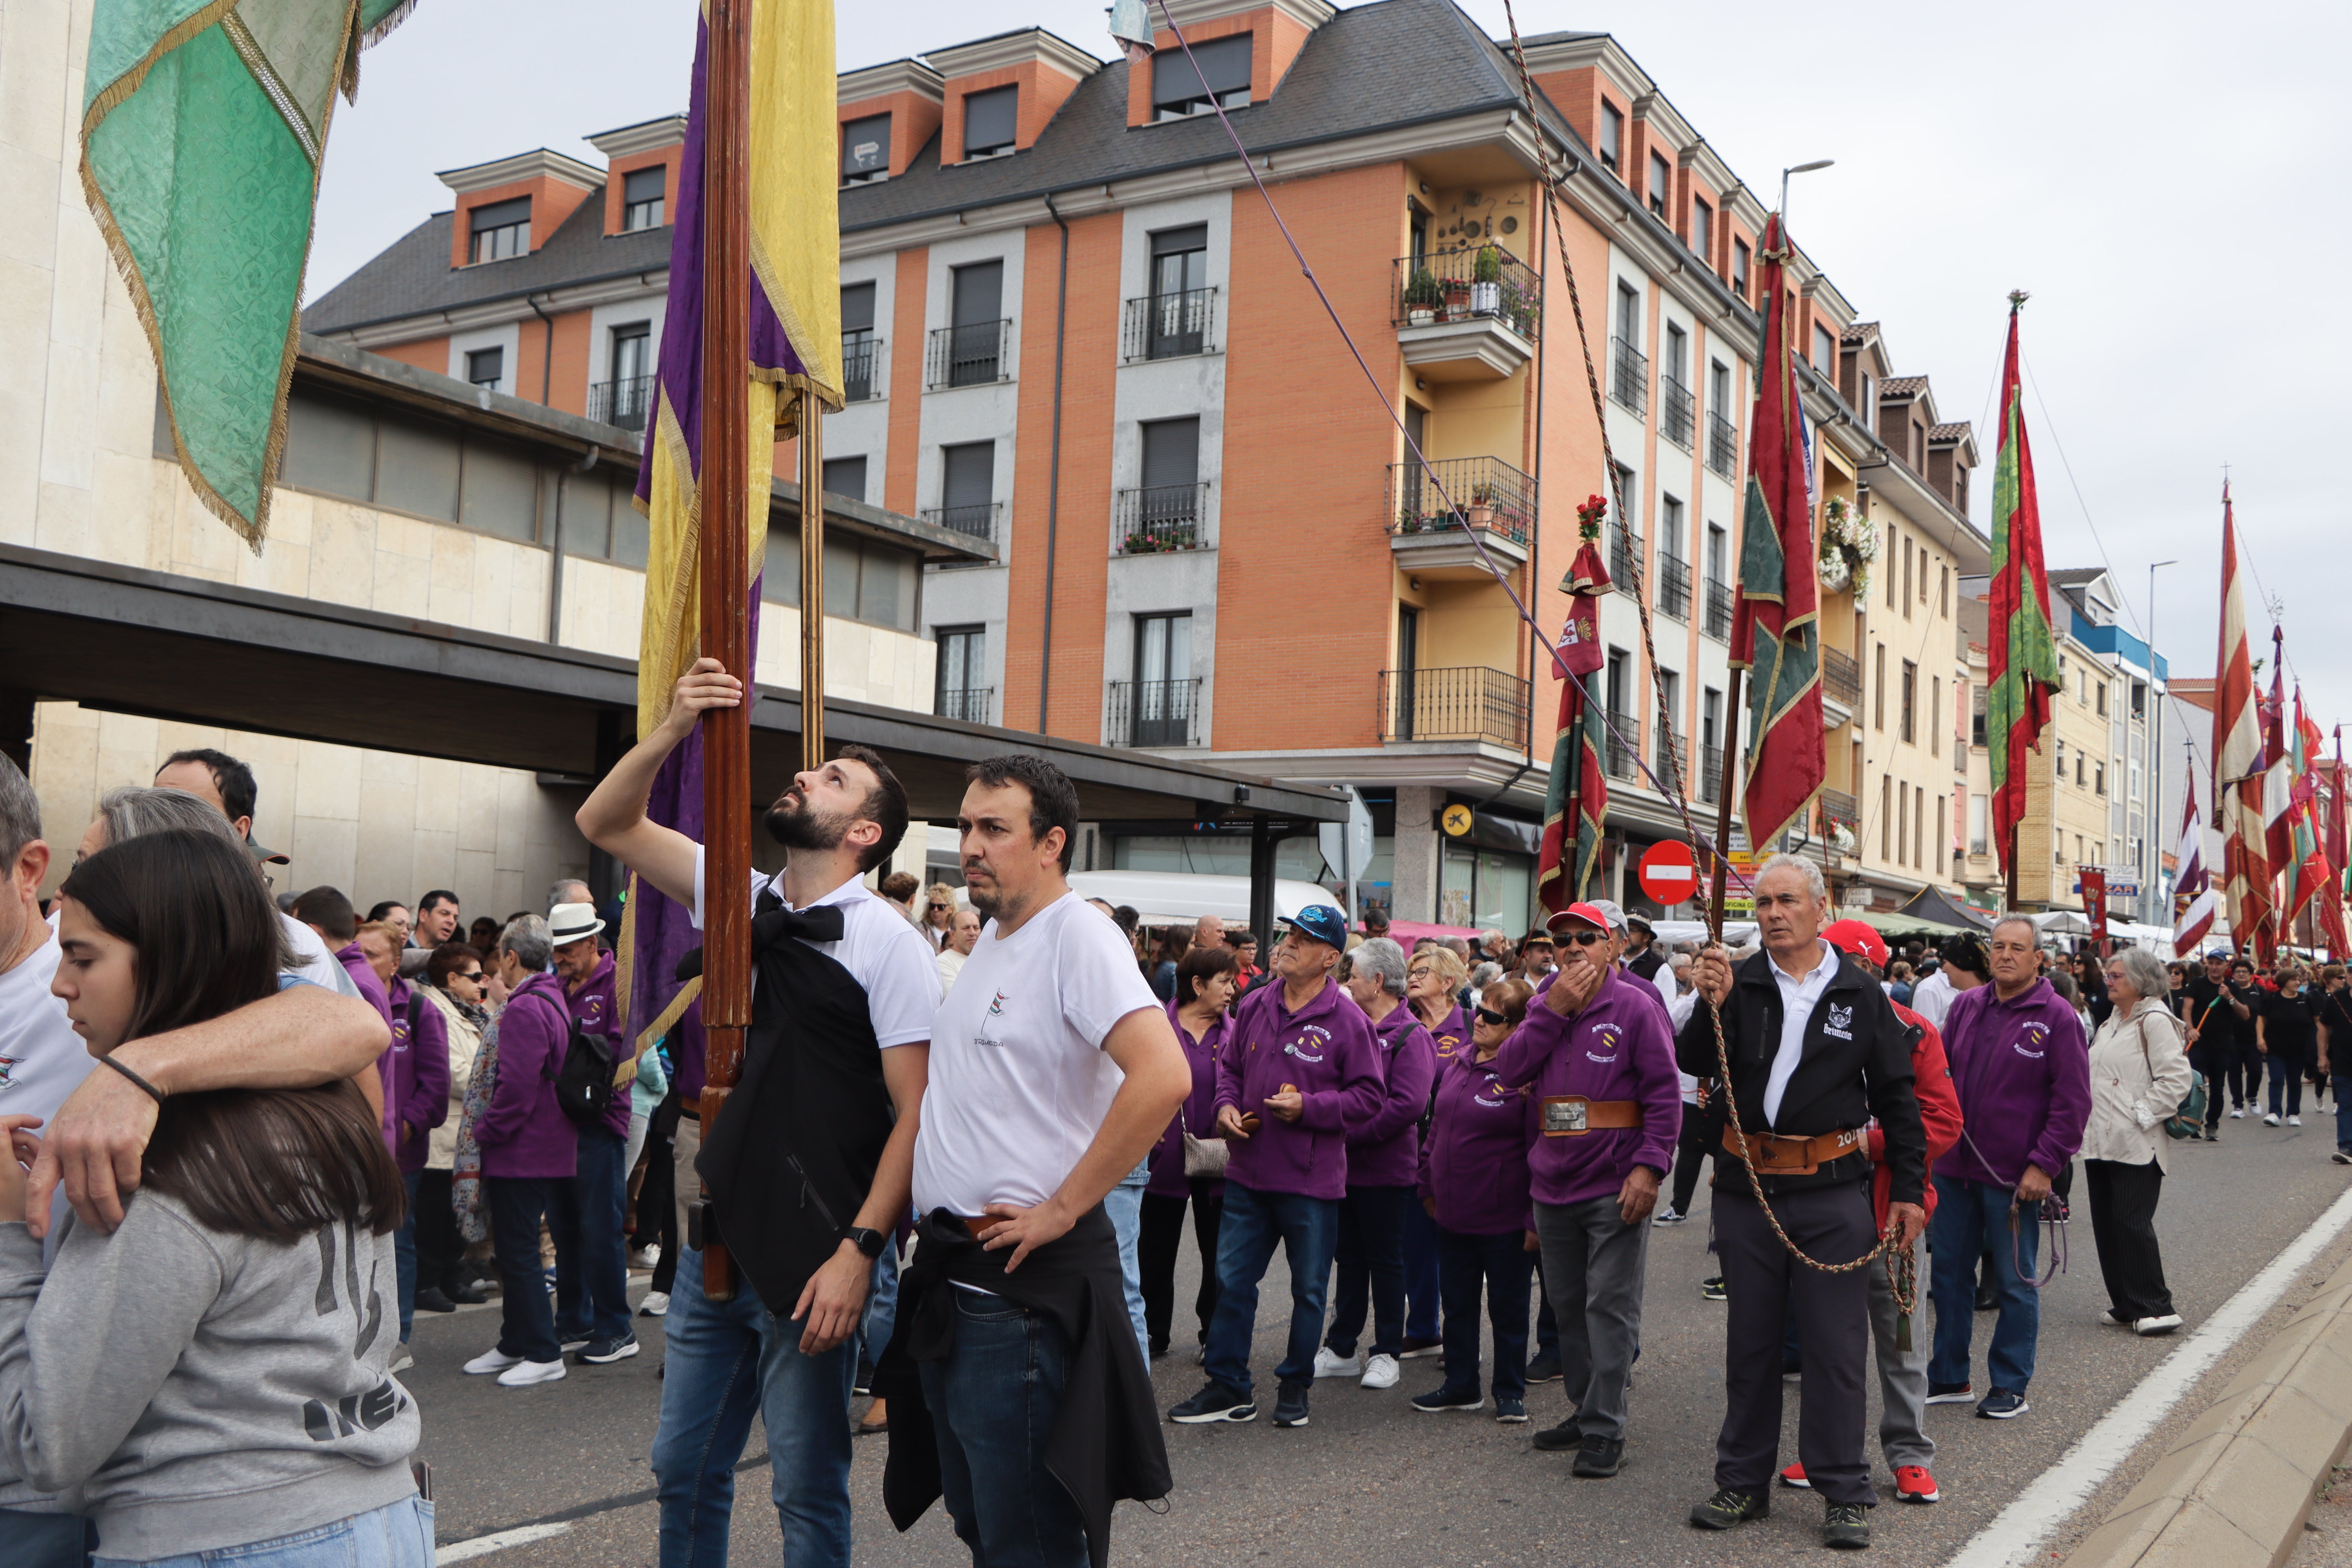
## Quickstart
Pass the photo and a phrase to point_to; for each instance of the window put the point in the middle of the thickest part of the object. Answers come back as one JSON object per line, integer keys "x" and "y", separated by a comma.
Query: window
{"x": 1167, "y": 510}
{"x": 1740, "y": 267}
{"x": 846, "y": 477}
{"x": 1934, "y": 715}
{"x": 1718, "y": 544}
{"x": 858, "y": 344}
{"x": 1677, "y": 351}
{"x": 1703, "y": 230}
{"x": 960, "y": 692}
{"x": 1907, "y": 579}
{"x": 1979, "y": 824}
{"x": 2099, "y": 779}
{"x": 989, "y": 121}
{"x": 501, "y": 229}
{"x": 1629, "y": 314}
{"x": 425, "y": 468}
{"x": 1179, "y": 299}
{"x": 1718, "y": 389}
{"x": 2078, "y": 770}
{"x": 968, "y": 488}
{"x": 486, "y": 368}
{"x": 1976, "y": 716}
{"x": 1612, "y": 134}
{"x": 1868, "y": 406}
{"x": 1889, "y": 552}
{"x": 1824, "y": 351}
{"x": 1878, "y": 686}
{"x": 627, "y": 394}
{"x": 2134, "y": 780}
{"x": 1910, "y": 695}
{"x": 1942, "y": 821}
{"x": 1923, "y": 574}
{"x": 1885, "y": 816}
{"x": 633, "y": 350}
{"x": 868, "y": 580}
{"x": 1162, "y": 711}
{"x": 642, "y": 201}
{"x": 2062, "y": 762}
{"x": 865, "y": 149}
{"x": 1944, "y": 592}
{"x": 2103, "y": 700}
{"x": 1670, "y": 531}
{"x": 1902, "y": 824}
{"x": 1662, "y": 184}
{"x": 976, "y": 334}
{"x": 1617, "y": 678}
{"x": 1222, "y": 80}
{"x": 1919, "y": 827}
{"x": 1710, "y": 717}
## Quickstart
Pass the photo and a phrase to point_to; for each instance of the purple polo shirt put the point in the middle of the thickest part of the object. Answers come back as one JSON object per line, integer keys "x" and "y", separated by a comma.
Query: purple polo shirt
{"x": 1616, "y": 1048}
{"x": 594, "y": 1010}
{"x": 1199, "y": 1115}
{"x": 415, "y": 1072}
{"x": 1386, "y": 1151}
{"x": 523, "y": 1130}
{"x": 1474, "y": 1161}
{"x": 1325, "y": 1050}
{"x": 2023, "y": 1075}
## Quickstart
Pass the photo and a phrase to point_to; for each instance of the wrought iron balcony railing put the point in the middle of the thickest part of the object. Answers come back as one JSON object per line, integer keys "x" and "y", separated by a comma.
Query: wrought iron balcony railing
{"x": 622, "y": 403}
{"x": 1673, "y": 594}
{"x": 978, "y": 521}
{"x": 1162, "y": 519}
{"x": 1154, "y": 712}
{"x": 1469, "y": 703}
{"x": 1719, "y": 609}
{"x": 1482, "y": 282}
{"x": 1490, "y": 492}
{"x": 972, "y": 704}
{"x": 1722, "y": 447}
{"x": 972, "y": 355}
{"x": 861, "y": 367}
{"x": 1674, "y": 412}
{"x": 1629, "y": 377}
{"x": 1165, "y": 326}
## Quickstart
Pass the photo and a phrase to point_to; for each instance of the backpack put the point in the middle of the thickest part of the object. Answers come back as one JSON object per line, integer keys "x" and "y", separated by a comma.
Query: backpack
{"x": 584, "y": 1088}
{"x": 2190, "y": 1118}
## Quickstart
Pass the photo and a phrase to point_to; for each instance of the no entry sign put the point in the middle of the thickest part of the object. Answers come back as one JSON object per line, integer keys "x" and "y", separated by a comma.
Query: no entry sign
{"x": 1669, "y": 874}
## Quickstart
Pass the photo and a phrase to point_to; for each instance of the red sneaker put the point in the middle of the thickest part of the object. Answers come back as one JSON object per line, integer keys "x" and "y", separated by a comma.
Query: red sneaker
{"x": 1794, "y": 1476}
{"x": 1914, "y": 1484}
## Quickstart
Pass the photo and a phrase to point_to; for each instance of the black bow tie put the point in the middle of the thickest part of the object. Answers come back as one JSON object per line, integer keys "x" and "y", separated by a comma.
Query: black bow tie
{"x": 771, "y": 922}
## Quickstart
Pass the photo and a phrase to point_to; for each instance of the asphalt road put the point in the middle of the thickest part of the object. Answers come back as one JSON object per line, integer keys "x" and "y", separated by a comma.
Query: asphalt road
{"x": 1372, "y": 1482}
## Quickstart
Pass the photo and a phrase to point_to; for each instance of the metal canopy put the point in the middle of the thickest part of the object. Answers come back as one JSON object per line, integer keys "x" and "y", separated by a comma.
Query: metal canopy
{"x": 130, "y": 640}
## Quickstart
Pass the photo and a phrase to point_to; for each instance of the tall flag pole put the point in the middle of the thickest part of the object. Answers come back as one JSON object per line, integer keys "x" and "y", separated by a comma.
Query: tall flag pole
{"x": 1577, "y": 798}
{"x": 2307, "y": 875}
{"x": 2024, "y": 649}
{"x": 2331, "y": 902}
{"x": 2237, "y": 756}
{"x": 2194, "y": 900}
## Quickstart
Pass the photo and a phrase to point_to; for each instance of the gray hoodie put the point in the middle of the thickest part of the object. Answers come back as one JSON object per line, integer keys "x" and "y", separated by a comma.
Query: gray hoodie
{"x": 203, "y": 1389}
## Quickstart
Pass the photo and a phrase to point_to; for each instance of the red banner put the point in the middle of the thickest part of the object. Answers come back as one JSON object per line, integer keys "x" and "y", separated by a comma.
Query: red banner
{"x": 2094, "y": 904}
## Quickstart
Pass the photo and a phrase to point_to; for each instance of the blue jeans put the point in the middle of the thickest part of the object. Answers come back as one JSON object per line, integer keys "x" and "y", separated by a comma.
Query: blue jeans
{"x": 1501, "y": 1264}
{"x": 1253, "y": 1222}
{"x": 723, "y": 1361}
{"x": 2343, "y": 1114}
{"x": 1422, "y": 1287}
{"x": 397, "y": 1535}
{"x": 526, "y": 1323}
{"x": 881, "y": 1314}
{"x": 1124, "y": 1204}
{"x": 45, "y": 1540}
{"x": 993, "y": 1402}
{"x": 1370, "y": 1258}
{"x": 403, "y": 1253}
{"x": 1972, "y": 1221}
{"x": 592, "y": 1263}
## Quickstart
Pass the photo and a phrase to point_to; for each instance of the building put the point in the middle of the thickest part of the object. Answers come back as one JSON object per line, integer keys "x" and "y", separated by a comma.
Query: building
{"x": 2126, "y": 684}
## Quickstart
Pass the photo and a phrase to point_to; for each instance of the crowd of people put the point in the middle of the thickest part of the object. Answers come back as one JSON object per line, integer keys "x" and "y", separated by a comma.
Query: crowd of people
{"x": 972, "y": 1130}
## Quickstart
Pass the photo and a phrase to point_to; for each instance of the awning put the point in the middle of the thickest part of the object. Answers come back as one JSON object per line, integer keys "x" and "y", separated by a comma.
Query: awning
{"x": 1929, "y": 905}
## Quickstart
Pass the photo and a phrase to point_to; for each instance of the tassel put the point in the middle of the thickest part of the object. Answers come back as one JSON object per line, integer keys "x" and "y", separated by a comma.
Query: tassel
{"x": 1903, "y": 1332}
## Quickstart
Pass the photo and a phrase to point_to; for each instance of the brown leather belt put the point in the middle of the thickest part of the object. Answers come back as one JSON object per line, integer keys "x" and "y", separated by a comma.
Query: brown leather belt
{"x": 980, "y": 1228}
{"x": 1574, "y": 1116}
{"x": 1770, "y": 1154}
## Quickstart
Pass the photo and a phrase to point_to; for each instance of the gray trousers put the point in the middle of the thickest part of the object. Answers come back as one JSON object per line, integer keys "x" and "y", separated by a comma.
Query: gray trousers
{"x": 1765, "y": 1285}
{"x": 1902, "y": 1374}
{"x": 1593, "y": 1264}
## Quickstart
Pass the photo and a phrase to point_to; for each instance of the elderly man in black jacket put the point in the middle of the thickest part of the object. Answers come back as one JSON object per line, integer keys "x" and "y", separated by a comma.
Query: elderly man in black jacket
{"x": 1815, "y": 1052}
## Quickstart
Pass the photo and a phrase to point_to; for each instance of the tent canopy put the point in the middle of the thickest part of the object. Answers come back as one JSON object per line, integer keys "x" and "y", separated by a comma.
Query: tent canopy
{"x": 1930, "y": 907}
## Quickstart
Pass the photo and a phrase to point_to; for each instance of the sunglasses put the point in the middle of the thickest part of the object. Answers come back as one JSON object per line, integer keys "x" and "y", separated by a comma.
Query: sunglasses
{"x": 473, "y": 974}
{"x": 1488, "y": 1015}
{"x": 1585, "y": 938}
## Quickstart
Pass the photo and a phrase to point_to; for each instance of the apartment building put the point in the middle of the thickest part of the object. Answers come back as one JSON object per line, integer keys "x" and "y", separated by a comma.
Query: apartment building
{"x": 2127, "y": 685}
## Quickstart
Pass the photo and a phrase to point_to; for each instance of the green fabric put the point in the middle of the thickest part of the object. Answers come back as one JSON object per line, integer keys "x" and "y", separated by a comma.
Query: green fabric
{"x": 202, "y": 122}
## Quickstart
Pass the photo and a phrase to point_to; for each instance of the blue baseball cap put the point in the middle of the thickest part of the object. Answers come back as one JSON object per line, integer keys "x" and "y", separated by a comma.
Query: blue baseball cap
{"x": 1324, "y": 922}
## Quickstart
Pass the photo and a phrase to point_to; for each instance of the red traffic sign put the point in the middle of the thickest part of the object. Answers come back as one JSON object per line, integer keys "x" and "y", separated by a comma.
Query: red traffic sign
{"x": 1669, "y": 874}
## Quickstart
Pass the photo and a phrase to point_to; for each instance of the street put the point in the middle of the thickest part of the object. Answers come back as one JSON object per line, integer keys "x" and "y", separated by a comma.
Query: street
{"x": 1372, "y": 1482}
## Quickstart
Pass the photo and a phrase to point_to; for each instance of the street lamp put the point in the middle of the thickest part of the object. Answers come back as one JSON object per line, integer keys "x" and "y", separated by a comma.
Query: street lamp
{"x": 2149, "y": 863}
{"x": 1799, "y": 169}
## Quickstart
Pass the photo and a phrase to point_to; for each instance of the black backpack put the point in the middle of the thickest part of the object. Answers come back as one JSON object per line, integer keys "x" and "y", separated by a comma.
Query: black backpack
{"x": 584, "y": 1086}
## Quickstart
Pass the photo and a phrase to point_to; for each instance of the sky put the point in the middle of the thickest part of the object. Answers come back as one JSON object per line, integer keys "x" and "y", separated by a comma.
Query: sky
{"x": 2120, "y": 162}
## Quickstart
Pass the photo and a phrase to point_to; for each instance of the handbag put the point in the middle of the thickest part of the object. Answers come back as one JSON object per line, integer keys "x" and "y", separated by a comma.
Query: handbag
{"x": 2188, "y": 1118}
{"x": 1204, "y": 1158}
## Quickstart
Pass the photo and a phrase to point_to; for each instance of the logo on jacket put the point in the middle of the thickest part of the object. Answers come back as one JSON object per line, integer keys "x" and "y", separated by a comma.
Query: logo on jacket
{"x": 1313, "y": 1034}
{"x": 7, "y": 1073}
{"x": 1840, "y": 1021}
{"x": 2036, "y": 1035}
{"x": 1608, "y": 1038}
{"x": 1446, "y": 1045}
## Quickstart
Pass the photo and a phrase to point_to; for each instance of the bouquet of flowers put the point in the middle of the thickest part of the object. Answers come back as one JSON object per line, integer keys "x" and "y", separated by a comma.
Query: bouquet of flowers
{"x": 1849, "y": 545}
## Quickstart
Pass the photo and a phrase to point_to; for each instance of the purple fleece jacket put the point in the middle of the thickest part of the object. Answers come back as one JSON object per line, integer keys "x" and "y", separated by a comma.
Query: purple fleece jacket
{"x": 1616, "y": 1048}
{"x": 523, "y": 1130}
{"x": 1451, "y": 1034}
{"x": 362, "y": 974}
{"x": 415, "y": 1072}
{"x": 1198, "y": 1115}
{"x": 1386, "y": 1151}
{"x": 594, "y": 1010}
{"x": 2023, "y": 1075}
{"x": 1474, "y": 1162}
{"x": 1325, "y": 1050}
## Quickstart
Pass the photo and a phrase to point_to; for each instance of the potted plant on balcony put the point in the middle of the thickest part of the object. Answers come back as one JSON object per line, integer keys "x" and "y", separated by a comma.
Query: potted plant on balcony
{"x": 1486, "y": 290}
{"x": 1421, "y": 298}
{"x": 1481, "y": 513}
{"x": 1457, "y": 299}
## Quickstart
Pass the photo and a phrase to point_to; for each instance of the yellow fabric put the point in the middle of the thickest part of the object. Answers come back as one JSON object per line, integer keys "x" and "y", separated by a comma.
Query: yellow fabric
{"x": 795, "y": 179}
{"x": 670, "y": 638}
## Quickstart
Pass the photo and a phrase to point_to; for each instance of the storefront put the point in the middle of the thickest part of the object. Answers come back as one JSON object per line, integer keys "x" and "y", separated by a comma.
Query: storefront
{"x": 1487, "y": 873}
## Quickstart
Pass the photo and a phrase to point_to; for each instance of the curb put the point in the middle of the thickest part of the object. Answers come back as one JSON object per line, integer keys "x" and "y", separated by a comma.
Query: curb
{"x": 2235, "y": 1487}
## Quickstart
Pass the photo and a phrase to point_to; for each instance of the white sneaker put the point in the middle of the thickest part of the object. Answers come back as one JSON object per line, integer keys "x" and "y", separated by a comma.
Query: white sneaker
{"x": 2294, "y": 1122}
{"x": 2238, "y": 1114}
{"x": 523, "y": 1373}
{"x": 492, "y": 1359}
{"x": 655, "y": 1305}
{"x": 2150, "y": 1326}
{"x": 1329, "y": 1363}
{"x": 647, "y": 1256}
{"x": 1668, "y": 1216}
{"x": 401, "y": 1360}
{"x": 2272, "y": 1119}
{"x": 1380, "y": 1372}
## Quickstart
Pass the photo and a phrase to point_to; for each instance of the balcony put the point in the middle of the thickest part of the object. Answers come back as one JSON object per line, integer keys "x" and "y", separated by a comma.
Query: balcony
{"x": 1674, "y": 418}
{"x": 1841, "y": 826}
{"x": 1722, "y": 447}
{"x": 980, "y": 521}
{"x": 623, "y": 405}
{"x": 1673, "y": 593}
{"x": 1153, "y": 713}
{"x": 1710, "y": 776}
{"x": 1841, "y": 687}
{"x": 861, "y": 363}
{"x": 1465, "y": 315}
{"x": 1672, "y": 764}
{"x": 1162, "y": 519}
{"x": 972, "y": 704}
{"x": 1169, "y": 326}
{"x": 1625, "y": 558}
{"x": 1494, "y": 501}
{"x": 1617, "y": 749}
{"x": 972, "y": 355}
{"x": 1629, "y": 377}
{"x": 1718, "y": 610}
{"x": 1470, "y": 704}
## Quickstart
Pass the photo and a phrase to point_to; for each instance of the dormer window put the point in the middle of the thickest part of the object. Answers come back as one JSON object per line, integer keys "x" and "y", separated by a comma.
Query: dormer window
{"x": 500, "y": 230}
{"x": 1662, "y": 178}
{"x": 865, "y": 149}
{"x": 642, "y": 198}
{"x": 1740, "y": 267}
{"x": 1703, "y": 231}
{"x": 1221, "y": 80}
{"x": 1612, "y": 134}
{"x": 990, "y": 122}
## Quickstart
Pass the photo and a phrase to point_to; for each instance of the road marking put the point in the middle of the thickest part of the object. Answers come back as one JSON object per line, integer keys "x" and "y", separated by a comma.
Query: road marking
{"x": 2016, "y": 1533}
{"x": 483, "y": 1545}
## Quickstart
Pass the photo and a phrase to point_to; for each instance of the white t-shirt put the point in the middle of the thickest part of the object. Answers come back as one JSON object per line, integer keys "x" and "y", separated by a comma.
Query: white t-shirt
{"x": 1933, "y": 998}
{"x": 312, "y": 960}
{"x": 42, "y": 1060}
{"x": 1019, "y": 1081}
{"x": 882, "y": 953}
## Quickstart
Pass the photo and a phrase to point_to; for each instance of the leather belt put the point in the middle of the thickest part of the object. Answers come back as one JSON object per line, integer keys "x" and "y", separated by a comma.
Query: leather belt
{"x": 1574, "y": 1116}
{"x": 1770, "y": 1154}
{"x": 980, "y": 1228}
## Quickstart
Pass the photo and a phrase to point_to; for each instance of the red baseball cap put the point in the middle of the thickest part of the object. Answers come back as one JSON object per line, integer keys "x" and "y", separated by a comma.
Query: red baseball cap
{"x": 1584, "y": 912}
{"x": 1858, "y": 938}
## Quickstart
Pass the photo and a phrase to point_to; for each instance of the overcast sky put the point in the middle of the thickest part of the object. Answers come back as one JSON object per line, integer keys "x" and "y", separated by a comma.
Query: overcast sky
{"x": 2144, "y": 170}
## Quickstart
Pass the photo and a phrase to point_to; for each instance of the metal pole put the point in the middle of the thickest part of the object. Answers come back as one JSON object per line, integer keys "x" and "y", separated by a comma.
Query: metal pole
{"x": 2150, "y": 863}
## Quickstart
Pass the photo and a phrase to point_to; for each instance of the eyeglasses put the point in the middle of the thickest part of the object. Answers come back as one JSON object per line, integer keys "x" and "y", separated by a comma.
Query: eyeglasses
{"x": 1585, "y": 938}
{"x": 473, "y": 974}
{"x": 1488, "y": 1015}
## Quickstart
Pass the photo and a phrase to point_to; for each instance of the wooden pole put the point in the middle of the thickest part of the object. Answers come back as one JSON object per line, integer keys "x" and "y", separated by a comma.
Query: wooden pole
{"x": 725, "y": 569}
{"x": 812, "y": 422}
{"x": 2011, "y": 908}
{"x": 1723, "y": 806}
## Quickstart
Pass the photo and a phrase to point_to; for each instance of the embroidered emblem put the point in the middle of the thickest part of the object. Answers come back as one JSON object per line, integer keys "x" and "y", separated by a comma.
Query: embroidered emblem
{"x": 1840, "y": 1021}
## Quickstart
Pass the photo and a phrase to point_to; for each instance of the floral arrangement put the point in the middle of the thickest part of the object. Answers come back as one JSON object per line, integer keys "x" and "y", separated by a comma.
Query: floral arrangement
{"x": 1849, "y": 545}
{"x": 1589, "y": 516}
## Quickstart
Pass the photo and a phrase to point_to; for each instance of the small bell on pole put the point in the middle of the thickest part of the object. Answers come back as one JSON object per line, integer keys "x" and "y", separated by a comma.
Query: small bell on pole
{"x": 1130, "y": 26}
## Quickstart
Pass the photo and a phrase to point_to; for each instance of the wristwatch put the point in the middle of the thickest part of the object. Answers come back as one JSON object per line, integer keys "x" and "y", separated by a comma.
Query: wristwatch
{"x": 869, "y": 1242}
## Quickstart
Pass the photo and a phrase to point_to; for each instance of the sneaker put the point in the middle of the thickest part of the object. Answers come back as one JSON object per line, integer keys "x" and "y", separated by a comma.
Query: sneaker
{"x": 433, "y": 1298}
{"x": 646, "y": 1258}
{"x": 2148, "y": 1328}
{"x": 2112, "y": 1320}
{"x": 1215, "y": 1402}
{"x": 1600, "y": 1458}
{"x": 1845, "y": 1525}
{"x": 1380, "y": 1372}
{"x": 1712, "y": 1290}
{"x": 1914, "y": 1484}
{"x": 1414, "y": 1349}
{"x": 2237, "y": 1113}
{"x": 1669, "y": 1217}
{"x": 1565, "y": 1439}
{"x": 2294, "y": 1122}
{"x": 1290, "y": 1405}
{"x": 401, "y": 1360}
{"x": 1949, "y": 1393}
{"x": 2272, "y": 1119}
{"x": 598, "y": 1352}
{"x": 655, "y": 1305}
{"x": 489, "y": 1360}
{"x": 2341, "y": 1157}
{"x": 1329, "y": 1363}
{"x": 2002, "y": 1404}
{"x": 523, "y": 1373}
{"x": 2057, "y": 1208}
{"x": 1794, "y": 1476}
{"x": 1727, "y": 1509}
{"x": 570, "y": 1342}
{"x": 1986, "y": 1300}
{"x": 1545, "y": 1368}
{"x": 470, "y": 1294}
{"x": 1510, "y": 1412}
{"x": 1450, "y": 1399}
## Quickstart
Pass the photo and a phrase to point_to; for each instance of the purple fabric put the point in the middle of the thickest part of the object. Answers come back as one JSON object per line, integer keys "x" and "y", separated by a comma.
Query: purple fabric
{"x": 2023, "y": 1075}
{"x": 1474, "y": 1161}
{"x": 1199, "y": 1116}
{"x": 1616, "y": 1048}
{"x": 523, "y": 1130}
{"x": 689, "y": 1053}
{"x": 593, "y": 1009}
{"x": 1386, "y": 1151}
{"x": 415, "y": 1072}
{"x": 362, "y": 974}
{"x": 1326, "y": 1051}
{"x": 1452, "y": 1034}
